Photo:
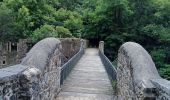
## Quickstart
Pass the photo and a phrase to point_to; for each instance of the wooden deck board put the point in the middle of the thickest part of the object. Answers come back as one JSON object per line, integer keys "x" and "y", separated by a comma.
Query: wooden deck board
{"x": 88, "y": 80}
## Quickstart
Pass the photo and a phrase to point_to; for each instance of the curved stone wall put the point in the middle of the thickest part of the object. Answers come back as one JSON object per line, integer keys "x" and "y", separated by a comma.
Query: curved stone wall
{"x": 41, "y": 53}
{"x": 38, "y": 75}
{"x": 134, "y": 72}
{"x": 43, "y": 76}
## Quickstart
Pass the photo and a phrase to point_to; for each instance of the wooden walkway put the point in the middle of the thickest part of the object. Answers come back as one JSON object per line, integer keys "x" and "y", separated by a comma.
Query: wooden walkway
{"x": 88, "y": 80}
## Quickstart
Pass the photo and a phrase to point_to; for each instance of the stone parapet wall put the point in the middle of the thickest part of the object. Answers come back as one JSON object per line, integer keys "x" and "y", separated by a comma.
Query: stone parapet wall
{"x": 37, "y": 77}
{"x": 70, "y": 46}
{"x": 9, "y": 57}
{"x": 162, "y": 89}
{"x": 22, "y": 49}
{"x": 43, "y": 78}
{"x": 134, "y": 72}
{"x": 9, "y": 82}
{"x": 137, "y": 76}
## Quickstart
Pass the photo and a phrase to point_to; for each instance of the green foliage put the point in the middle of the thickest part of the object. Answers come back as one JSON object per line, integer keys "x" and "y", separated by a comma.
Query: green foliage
{"x": 74, "y": 24}
{"x": 23, "y": 23}
{"x": 63, "y": 32}
{"x": 28, "y": 18}
{"x": 62, "y": 15}
{"x": 157, "y": 32}
{"x": 43, "y": 32}
{"x": 159, "y": 56}
{"x": 70, "y": 20}
{"x": 6, "y": 23}
{"x": 165, "y": 71}
{"x": 70, "y": 4}
{"x": 146, "y": 22}
{"x": 50, "y": 31}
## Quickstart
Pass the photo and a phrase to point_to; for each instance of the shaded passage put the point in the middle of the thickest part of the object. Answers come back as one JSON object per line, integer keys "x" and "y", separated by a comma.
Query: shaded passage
{"x": 88, "y": 80}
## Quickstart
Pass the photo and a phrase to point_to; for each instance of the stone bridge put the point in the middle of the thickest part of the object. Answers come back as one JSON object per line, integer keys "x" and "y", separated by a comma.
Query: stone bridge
{"x": 65, "y": 69}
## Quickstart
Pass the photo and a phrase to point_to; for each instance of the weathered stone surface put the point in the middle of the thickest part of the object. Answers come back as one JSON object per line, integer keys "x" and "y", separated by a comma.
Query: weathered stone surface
{"x": 12, "y": 53}
{"x": 40, "y": 54}
{"x": 70, "y": 46}
{"x": 101, "y": 46}
{"x": 22, "y": 49}
{"x": 38, "y": 75}
{"x": 162, "y": 88}
{"x": 44, "y": 78}
{"x": 134, "y": 72}
{"x": 9, "y": 82}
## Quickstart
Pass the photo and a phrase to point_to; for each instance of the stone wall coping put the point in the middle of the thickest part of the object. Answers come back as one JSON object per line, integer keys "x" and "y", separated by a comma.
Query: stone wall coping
{"x": 10, "y": 73}
{"x": 40, "y": 53}
{"x": 141, "y": 63}
{"x": 162, "y": 85}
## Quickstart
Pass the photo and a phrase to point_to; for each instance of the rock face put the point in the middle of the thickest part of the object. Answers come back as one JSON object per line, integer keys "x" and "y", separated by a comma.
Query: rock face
{"x": 134, "y": 72}
{"x": 37, "y": 77}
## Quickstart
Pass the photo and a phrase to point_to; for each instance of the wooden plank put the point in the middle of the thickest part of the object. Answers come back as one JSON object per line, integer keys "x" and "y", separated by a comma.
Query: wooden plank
{"x": 88, "y": 80}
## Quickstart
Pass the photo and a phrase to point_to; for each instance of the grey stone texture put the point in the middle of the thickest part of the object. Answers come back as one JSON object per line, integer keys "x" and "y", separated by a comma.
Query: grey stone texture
{"x": 70, "y": 46}
{"x": 9, "y": 82}
{"x": 101, "y": 46}
{"x": 162, "y": 89}
{"x": 22, "y": 49}
{"x": 37, "y": 77}
{"x": 134, "y": 72}
{"x": 44, "y": 75}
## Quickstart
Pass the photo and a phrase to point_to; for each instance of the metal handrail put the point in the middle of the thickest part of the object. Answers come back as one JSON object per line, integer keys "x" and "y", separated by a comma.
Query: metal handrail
{"x": 111, "y": 70}
{"x": 68, "y": 66}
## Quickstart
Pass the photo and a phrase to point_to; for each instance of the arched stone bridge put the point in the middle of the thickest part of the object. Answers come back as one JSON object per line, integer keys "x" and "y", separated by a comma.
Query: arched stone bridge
{"x": 65, "y": 69}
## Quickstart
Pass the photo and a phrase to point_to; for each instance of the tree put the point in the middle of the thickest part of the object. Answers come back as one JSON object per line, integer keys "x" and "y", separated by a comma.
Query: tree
{"x": 50, "y": 31}
{"x": 63, "y": 32}
{"x": 74, "y": 24}
{"x": 70, "y": 4}
{"x": 43, "y": 32}
{"x": 6, "y": 23}
{"x": 117, "y": 21}
{"x": 146, "y": 22}
{"x": 23, "y": 23}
